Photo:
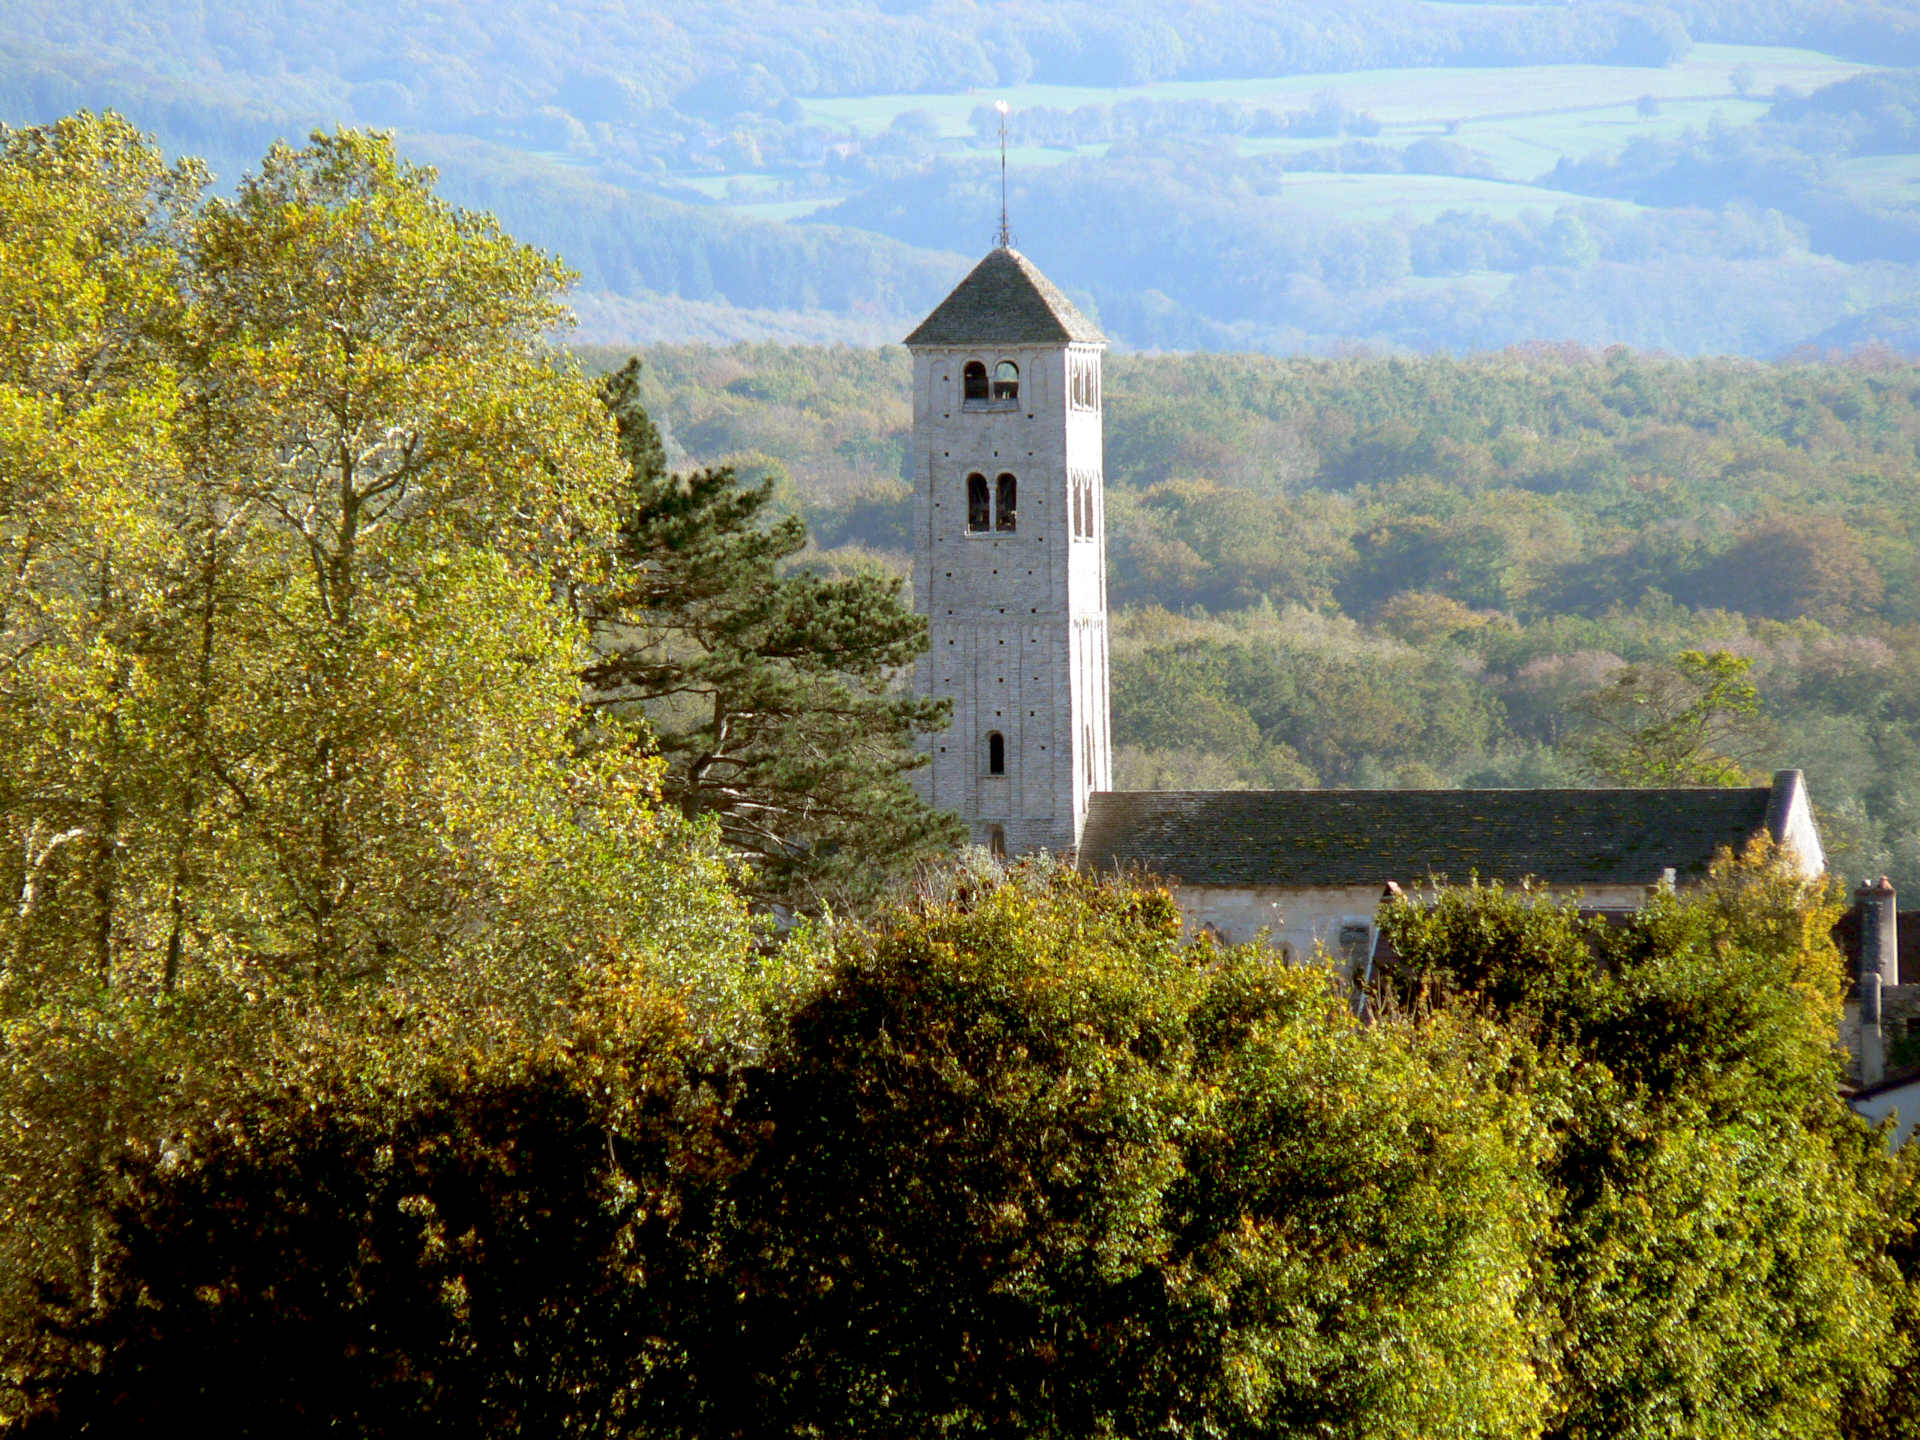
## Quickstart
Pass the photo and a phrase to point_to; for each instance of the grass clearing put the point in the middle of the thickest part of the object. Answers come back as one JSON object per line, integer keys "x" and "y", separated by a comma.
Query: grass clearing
{"x": 1395, "y": 97}
{"x": 1524, "y": 119}
{"x": 1423, "y": 197}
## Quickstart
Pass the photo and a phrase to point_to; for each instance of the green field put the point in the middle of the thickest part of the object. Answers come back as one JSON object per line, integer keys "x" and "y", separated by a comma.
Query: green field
{"x": 1381, "y": 197}
{"x": 1522, "y": 120}
{"x": 1424, "y": 97}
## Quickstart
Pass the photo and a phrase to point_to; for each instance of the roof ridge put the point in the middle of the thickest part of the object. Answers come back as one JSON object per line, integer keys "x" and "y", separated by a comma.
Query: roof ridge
{"x": 1005, "y": 300}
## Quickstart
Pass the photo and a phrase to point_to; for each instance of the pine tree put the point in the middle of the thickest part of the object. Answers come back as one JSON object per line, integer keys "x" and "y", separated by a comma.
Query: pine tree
{"x": 772, "y": 693}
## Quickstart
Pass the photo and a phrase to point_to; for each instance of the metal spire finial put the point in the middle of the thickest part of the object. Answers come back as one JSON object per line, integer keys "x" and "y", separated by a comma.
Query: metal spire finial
{"x": 1006, "y": 235}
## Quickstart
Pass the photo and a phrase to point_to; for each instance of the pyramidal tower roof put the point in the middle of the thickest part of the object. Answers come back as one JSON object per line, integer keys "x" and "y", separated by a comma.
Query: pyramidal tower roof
{"x": 1005, "y": 301}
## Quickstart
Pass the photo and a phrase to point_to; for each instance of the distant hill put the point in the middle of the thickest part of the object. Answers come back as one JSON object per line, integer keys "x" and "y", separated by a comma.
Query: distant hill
{"x": 1283, "y": 175}
{"x": 1885, "y": 327}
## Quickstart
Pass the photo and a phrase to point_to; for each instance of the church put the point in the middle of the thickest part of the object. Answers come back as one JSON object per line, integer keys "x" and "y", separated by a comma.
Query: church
{"x": 1010, "y": 569}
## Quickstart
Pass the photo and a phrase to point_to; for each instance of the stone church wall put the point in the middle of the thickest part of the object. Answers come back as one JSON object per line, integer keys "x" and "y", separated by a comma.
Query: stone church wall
{"x": 1301, "y": 921}
{"x": 1017, "y": 620}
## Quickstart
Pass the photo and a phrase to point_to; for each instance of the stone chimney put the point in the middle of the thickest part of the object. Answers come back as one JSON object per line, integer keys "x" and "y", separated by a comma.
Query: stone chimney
{"x": 1879, "y": 968}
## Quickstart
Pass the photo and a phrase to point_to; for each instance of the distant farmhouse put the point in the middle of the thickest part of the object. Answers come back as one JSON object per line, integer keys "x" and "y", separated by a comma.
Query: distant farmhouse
{"x": 1010, "y": 569}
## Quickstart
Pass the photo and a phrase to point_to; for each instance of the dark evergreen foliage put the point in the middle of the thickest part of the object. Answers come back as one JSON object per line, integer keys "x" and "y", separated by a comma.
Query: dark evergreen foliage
{"x": 776, "y": 696}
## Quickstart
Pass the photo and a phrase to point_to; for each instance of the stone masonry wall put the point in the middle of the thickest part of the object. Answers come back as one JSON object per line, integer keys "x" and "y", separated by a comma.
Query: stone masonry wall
{"x": 1017, "y": 621}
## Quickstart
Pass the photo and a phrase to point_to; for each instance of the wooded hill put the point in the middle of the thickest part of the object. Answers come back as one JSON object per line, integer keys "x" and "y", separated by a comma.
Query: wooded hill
{"x": 1396, "y": 571}
{"x": 1698, "y": 177}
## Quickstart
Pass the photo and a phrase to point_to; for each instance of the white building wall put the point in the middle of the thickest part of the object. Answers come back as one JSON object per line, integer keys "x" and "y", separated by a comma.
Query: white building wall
{"x": 1017, "y": 621}
{"x": 1797, "y": 829}
{"x": 1300, "y": 921}
{"x": 1900, "y": 1100}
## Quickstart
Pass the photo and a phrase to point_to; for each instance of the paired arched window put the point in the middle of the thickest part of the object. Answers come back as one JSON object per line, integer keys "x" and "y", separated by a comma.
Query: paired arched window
{"x": 996, "y": 753}
{"x": 996, "y": 509}
{"x": 973, "y": 383}
{"x": 976, "y": 389}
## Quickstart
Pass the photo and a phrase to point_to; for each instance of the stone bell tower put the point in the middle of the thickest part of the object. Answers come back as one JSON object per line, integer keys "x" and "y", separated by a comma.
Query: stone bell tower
{"x": 1010, "y": 556}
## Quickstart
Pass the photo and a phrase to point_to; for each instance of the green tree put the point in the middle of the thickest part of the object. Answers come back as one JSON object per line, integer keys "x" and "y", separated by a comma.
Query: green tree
{"x": 416, "y": 474}
{"x": 511, "y": 1244}
{"x": 1693, "y": 722}
{"x": 90, "y": 270}
{"x": 774, "y": 695}
{"x": 1720, "y": 1264}
{"x": 291, "y": 483}
{"x": 1032, "y": 1166}
{"x": 89, "y": 387}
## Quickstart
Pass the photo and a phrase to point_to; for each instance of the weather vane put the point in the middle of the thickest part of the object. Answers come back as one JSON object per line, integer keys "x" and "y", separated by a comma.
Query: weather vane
{"x": 1006, "y": 235}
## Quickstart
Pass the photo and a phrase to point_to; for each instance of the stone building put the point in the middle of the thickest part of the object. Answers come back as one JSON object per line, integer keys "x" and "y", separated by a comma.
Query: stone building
{"x": 1010, "y": 569}
{"x": 1010, "y": 562}
{"x": 1308, "y": 868}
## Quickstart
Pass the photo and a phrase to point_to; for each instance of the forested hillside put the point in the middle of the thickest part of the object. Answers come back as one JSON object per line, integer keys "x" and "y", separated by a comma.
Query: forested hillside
{"x": 1696, "y": 177}
{"x": 1429, "y": 572}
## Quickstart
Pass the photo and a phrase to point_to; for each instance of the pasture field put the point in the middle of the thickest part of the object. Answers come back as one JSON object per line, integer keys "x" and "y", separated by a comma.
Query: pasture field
{"x": 1421, "y": 197}
{"x": 1419, "y": 97}
{"x": 1525, "y": 149}
{"x": 1521, "y": 119}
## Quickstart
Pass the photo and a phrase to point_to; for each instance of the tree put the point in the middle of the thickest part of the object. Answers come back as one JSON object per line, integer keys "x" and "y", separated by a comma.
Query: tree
{"x": 773, "y": 695}
{"x": 1693, "y": 722}
{"x": 1720, "y": 1263}
{"x": 89, "y": 379}
{"x": 90, "y": 272}
{"x": 1787, "y": 566}
{"x": 416, "y": 475}
{"x": 290, "y": 484}
{"x": 1030, "y": 1166}
{"x": 508, "y": 1245}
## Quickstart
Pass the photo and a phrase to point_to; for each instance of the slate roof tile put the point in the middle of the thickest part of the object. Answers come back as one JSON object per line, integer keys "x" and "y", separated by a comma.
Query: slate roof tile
{"x": 1339, "y": 837}
{"x": 1005, "y": 300}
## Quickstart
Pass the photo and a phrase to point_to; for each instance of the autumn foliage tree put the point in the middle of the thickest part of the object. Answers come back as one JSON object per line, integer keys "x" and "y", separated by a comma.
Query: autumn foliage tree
{"x": 1691, "y": 722}
{"x": 291, "y": 483}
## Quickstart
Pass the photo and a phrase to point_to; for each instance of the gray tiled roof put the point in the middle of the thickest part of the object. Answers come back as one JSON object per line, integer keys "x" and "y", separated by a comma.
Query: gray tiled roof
{"x": 1336, "y": 837}
{"x": 1005, "y": 301}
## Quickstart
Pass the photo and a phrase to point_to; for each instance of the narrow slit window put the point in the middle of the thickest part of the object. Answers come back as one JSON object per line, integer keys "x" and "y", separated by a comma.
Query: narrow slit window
{"x": 996, "y": 753}
{"x": 997, "y": 841}
{"x": 973, "y": 383}
{"x": 1006, "y": 499}
{"x": 1006, "y": 381}
{"x": 978, "y": 517}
